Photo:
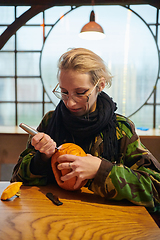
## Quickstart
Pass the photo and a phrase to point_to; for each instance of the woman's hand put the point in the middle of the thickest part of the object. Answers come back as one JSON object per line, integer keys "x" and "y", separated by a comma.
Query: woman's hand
{"x": 82, "y": 167}
{"x": 45, "y": 144}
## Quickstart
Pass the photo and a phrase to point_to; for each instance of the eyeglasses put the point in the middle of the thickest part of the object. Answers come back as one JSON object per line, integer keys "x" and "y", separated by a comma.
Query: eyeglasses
{"x": 77, "y": 97}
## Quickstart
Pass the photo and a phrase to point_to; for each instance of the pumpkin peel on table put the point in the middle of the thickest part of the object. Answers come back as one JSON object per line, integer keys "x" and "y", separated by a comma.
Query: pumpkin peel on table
{"x": 11, "y": 190}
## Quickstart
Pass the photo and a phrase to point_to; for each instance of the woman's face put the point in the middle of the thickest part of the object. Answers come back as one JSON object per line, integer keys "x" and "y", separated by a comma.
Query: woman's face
{"x": 72, "y": 82}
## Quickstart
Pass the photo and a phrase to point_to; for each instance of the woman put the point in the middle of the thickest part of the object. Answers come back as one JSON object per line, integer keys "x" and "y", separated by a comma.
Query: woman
{"x": 117, "y": 165}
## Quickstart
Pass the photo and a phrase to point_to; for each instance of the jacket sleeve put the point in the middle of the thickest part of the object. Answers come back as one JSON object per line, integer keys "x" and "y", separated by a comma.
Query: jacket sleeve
{"x": 137, "y": 175}
{"x": 30, "y": 168}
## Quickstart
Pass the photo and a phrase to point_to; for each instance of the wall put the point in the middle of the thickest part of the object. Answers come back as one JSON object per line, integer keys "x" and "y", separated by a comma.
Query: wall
{"x": 11, "y": 145}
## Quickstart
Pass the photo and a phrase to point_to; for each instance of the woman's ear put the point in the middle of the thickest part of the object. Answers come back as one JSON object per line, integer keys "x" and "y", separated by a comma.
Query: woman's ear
{"x": 102, "y": 84}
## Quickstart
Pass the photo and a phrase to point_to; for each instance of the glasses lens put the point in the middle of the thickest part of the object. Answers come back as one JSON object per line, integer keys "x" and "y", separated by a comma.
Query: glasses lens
{"x": 80, "y": 98}
{"x": 58, "y": 94}
{"x": 76, "y": 98}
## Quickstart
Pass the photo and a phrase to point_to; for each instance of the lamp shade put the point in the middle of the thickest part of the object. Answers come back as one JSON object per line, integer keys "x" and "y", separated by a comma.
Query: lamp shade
{"x": 92, "y": 30}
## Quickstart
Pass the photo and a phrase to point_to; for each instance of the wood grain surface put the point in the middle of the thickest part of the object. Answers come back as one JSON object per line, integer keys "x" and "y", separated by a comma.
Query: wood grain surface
{"x": 82, "y": 216}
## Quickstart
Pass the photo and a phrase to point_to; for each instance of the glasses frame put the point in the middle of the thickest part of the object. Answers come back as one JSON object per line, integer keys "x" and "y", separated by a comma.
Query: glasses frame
{"x": 87, "y": 96}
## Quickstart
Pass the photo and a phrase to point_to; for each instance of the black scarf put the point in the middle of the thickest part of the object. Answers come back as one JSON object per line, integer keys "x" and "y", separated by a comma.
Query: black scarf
{"x": 65, "y": 127}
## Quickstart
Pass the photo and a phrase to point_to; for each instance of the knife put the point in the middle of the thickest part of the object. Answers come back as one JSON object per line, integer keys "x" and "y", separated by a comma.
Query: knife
{"x": 30, "y": 130}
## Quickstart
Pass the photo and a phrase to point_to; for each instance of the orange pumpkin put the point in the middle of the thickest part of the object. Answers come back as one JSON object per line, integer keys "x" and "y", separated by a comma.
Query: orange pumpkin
{"x": 66, "y": 148}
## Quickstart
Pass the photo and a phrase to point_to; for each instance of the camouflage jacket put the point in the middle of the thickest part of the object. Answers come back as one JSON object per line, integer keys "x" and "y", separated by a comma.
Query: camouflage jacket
{"x": 135, "y": 177}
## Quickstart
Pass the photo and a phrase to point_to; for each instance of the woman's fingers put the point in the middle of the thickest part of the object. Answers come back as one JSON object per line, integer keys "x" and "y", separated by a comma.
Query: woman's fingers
{"x": 81, "y": 167}
{"x": 65, "y": 165}
{"x": 37, "y": 138}
{"x": 43, "y": 143}
{"x": 67, "y": 158}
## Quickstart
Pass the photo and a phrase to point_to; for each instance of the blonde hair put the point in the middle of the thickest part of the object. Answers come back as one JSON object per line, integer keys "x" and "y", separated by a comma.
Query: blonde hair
{"x": 85, "y": 61}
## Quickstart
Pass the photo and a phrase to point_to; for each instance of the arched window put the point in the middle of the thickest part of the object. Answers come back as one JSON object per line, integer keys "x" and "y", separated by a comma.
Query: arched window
{"x": 130, "y": 50}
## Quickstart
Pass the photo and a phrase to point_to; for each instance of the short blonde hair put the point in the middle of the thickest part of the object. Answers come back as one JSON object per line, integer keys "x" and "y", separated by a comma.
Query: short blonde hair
{"x": 85, "y": 61}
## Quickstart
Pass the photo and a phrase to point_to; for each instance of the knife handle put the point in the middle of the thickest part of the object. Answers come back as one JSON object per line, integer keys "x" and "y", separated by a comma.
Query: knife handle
{"x": 54, "y": 199}
{"x": 28, "y": 129}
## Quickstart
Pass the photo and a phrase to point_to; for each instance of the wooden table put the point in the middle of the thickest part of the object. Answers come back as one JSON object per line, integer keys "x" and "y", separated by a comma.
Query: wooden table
{"x": 82, "y": 216}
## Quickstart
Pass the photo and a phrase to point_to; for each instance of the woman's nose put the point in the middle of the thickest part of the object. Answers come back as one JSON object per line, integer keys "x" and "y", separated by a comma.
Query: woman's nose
{"x": 70, "y": 102}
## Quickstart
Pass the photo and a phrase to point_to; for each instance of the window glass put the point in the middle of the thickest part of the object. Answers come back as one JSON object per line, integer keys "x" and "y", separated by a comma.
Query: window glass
{"x": 27, "y": 64}
{"x": 7, "y": 64}
{"x": 48, "y": 101}
{"x": 53, "y": 14}
{"x": 38, "y": 19}
{"x": 20, "y": 10}
{"x": 6, "y": 15}
{"x": 151, "y": 99}
{"x": 49, "y": 107}
{"x": 7, "y": 114}
{"x": 159, "y": 37}
{"x": 147, "y": 12}
{"x": 153, "y": 29}
{"x": 158, "y": 117}
{"x": 158, "y": 91}
{"x": 30, "y": 38}
{"x": 7, "y": 89}
{"x": 47, "y": 29}
{"x": 10, "y": 44}
{"x": 2, "y": 29}
{"x": 144, "y": 117}
{"x": 46, "y": 98}
{"x": 29, "y": 89}
{"x": 31, "y": 114}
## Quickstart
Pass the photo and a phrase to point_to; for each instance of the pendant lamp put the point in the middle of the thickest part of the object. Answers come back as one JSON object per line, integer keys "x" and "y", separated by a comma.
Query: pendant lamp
{"x": 92, "y": 30}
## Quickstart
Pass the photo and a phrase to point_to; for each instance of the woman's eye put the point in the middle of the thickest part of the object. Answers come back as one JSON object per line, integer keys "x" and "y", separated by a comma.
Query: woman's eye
{"x": 64, "y": 92}
{"x": 81, "y": 93}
